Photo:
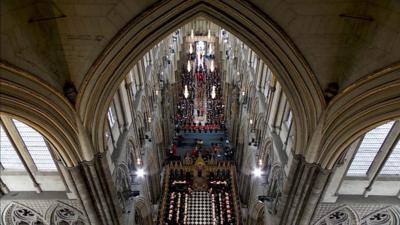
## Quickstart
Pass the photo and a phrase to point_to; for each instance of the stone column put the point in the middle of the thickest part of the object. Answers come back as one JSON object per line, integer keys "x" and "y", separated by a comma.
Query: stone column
{"x": 301, "y": 192}
{"x": 153, "y": 177}
{"x": 155, "y": 188}
{"x": 93, "y": 184}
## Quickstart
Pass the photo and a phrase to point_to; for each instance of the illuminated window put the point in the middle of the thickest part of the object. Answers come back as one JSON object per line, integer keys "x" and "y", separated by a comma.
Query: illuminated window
{"x": 289, "y": 119}
{"x": 368, "y": 149}
{"x": 392, "y": 165}
{"x": 110, "y": 117}
{"x": 8, "y": 156}
{"x": 36, "y": 146}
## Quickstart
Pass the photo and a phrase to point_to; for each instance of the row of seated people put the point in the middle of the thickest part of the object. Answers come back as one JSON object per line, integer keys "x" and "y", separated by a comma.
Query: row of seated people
{"x": 178, "y": 193}
{"x": 222, "y": 208}
{"x": 220, "y": 189}
{"x": 199, "y": 129}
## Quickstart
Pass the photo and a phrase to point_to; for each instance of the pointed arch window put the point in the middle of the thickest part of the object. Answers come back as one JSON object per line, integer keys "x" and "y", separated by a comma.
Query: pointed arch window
{"x": 289, "y": 119}
{"x": 8, "y": 156}
{"x": 36, "y": 146}
{"x": 110, "y": 117}
{"x": 368, "y": 149}
{"x": 392, "y": 165}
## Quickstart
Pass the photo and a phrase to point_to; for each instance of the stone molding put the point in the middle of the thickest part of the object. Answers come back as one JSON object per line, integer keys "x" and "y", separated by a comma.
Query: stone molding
{"x": 48, "y": 212}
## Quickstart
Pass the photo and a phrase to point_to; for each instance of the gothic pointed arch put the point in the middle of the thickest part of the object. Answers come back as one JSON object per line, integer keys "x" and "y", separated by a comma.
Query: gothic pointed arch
{"x": 142, "y": 211}
{"x": 65, "y": 214}
{"x": 255, "y": 28}
{"x": 266, "y": 154}
{"x": 19, "y": 214}
{"x": 369, "y": 102}
{"x": 132, "y": 155}
{"x": 30, "y": 100}
{"x": 275, "y": 187}
{"x": 342, "y": 215}
{"x": 123, "y": 184}
{"x": 257, "y": 213}
{"x": 386, "y": 216}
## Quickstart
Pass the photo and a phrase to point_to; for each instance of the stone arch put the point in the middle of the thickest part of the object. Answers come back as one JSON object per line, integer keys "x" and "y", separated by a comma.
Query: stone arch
{"x": 64, "y": 214}
{"x": 341, "y": 215}
{"x": 259, "y": 127}
{"x": 257, "y": 214}
{"x": 366, "y": 104}
{"x": 131, "y": 155}
{"x": 139, "y": 120}
{"x": 143, "y": 211}
{"x": 266, "y": 154}
{"x": 32, "y": 101}
{"x": 122, "y": 184}
{"x": 275, "y": 187}
{"x": 386, "y": 216}
{"x": 19, "y": 214}
{"x": 254, "y": 28}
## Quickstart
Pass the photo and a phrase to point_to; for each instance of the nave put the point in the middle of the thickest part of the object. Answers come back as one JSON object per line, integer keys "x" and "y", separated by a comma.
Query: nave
{"x": 200, "y": 181}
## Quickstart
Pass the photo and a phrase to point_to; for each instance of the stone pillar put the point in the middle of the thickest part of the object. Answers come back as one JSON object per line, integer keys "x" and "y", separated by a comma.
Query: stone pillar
{"x": 153, "y": 177}
{"x": 155, "y": 187}
{"x": 93, "y": 184}
{"x": 301, "y": 192}
{"x": 245, "y": 178}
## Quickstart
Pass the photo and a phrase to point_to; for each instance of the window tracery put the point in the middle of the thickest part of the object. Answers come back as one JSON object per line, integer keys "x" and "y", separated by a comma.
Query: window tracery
{"x": 64, "y": 214}
{"x": 385, "y": 216}
{"x": 17, "y": 214}
{"x": 343, "y": 215}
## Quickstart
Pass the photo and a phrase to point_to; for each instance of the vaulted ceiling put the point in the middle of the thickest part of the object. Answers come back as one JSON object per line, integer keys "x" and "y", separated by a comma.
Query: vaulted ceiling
{"x": 342, "y": 41}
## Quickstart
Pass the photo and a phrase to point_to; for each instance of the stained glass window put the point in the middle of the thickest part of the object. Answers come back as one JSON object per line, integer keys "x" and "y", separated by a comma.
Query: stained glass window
{"x": 368, "y": 149}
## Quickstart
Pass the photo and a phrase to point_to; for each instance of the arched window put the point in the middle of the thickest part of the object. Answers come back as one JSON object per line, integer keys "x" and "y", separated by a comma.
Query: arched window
{"x": 368, "y": 149}
{"x": 24, "y": 153}
{"x": 392, "y": 165}
{"x": 36, "y": 146}
{"x": 8, "y": 156}
{"x": 110, "y": 117}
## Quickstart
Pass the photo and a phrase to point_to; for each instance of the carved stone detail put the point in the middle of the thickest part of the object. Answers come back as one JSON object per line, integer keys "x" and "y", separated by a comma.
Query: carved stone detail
{"x": 343, "y": 215}
{"x": 385, "y": 216}
{"x": 17, "y": 214}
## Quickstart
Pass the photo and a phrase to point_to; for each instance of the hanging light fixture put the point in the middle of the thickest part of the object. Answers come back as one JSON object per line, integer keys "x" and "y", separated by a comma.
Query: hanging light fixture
{"x": 140, "y": 172}
{"x": 199, "y": 59}
{"x": 209, "y": 34}
{"x": 192, "y": 34}
{"x": 190, "y": 48}
{"x": 212, "y": 66}
{"x": 210, "y": 49}
{"x": 213, "y": 94}
{"x": 186, "y": 92}
{"x": 189, "y": 66}
{"x": 257, "y": 172}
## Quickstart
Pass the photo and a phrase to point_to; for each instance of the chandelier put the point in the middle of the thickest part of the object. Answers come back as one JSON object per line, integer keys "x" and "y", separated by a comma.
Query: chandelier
{"x": 186, "y": 92}
{"x": 209, "y": 34}
{"x": 213, "y": 94}
{"x": 212, "y": 66}
{"x": 192, "y": 34}
{"x": 189, "y": 66}
{"x": 190, "y": 48}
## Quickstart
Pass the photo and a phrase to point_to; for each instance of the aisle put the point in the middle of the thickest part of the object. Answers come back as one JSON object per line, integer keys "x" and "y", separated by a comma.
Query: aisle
{"x": 200, "y": 209}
